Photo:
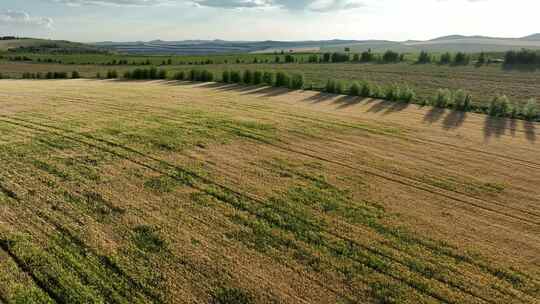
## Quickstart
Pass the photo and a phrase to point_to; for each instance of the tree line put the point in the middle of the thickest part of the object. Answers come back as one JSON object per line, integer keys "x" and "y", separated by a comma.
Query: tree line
{"x": 524, "y": 56}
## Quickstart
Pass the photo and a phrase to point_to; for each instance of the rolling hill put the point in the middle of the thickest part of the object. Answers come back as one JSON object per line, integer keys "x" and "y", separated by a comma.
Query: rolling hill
{"x": 35, "y": 45}
{"x": 452, "y": 43}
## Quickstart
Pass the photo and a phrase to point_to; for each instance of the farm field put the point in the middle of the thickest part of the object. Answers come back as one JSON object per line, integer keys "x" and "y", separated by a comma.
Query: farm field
{"x": 174, "y": 192}
{"x": 484, "y": 83}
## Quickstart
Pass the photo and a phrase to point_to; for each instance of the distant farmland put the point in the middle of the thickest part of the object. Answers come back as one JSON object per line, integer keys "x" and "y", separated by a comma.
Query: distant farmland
{"x": 169, "y": 192}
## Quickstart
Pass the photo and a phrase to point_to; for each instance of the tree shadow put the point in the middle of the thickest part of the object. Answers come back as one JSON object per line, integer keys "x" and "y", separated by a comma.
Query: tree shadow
{"x": 265, "y": 91}
{"x": 530, "y": 131}
{"x": 320, "y": 97}
{"x": 434, "y": 114}
{"x": 387, "y": 107}
{"x": 347, "y": 101}
{"x": 495, "y": 127}
{"x": 454, "y": 120}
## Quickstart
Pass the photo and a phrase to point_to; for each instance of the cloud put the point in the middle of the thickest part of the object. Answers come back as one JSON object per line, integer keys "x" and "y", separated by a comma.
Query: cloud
{"x": 293, "y": 5}
{"x": 235, "y": 3}
{"x": 116, "y": 2}
{"x": 23, "y": 19}
{"x": 334, "y": 5}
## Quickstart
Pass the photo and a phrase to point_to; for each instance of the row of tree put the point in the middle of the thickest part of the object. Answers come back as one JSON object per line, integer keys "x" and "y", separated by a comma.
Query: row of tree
{"x": 523, "y": 56}
{"x": 51, "y": 75}
{"x": 459, "y": 58}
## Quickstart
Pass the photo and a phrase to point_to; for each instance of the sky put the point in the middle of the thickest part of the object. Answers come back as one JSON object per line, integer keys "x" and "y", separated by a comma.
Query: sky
{"x": 144, "y": 20}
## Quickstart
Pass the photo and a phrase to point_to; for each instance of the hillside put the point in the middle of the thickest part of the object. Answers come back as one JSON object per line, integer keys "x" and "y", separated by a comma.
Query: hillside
{"x": 452, "y": 43}
{"x": 214, "y": 46}
{"x": 33, "y": 45}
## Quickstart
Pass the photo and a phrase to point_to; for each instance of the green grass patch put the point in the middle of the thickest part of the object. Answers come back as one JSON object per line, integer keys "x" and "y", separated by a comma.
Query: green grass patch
{"x": 148, "y": 239}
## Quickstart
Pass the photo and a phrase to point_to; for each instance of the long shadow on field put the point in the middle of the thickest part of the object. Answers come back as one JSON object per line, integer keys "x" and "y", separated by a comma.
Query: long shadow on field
{"x": 495, "y": 127}
{"x": 387, "y": 107}
{"x": 320, "y": 97}
{"x": 216, "y": 85}
{"x": 433, "y": 115}
{"x": 454, "y": 120}
{"x": 347, "y": 101}
{"x": 530, "y": 131}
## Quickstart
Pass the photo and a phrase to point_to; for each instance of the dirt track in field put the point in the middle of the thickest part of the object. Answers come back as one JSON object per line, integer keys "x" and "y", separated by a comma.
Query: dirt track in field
{"x": 258, "y": 190}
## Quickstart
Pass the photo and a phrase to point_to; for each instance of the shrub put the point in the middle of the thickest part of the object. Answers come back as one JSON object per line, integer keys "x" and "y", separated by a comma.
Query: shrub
{"x": 247, "y": 78}
{"x": 482, "y": 58}
{"x": 530, "y": 110}
{"x": 523, "y": 56}
{"x": 366, "y": 90}
{"x": 112, "y": 74}
{"x": 297, "y": 82}
{"x": 499, "y": 106}
{"x": 340, "y": 87}
{"x": 367, "y": 56}
{"x": 335, "y": 87}
{"x": 282, "y": 80}
{"x": 257, "y": 77}
{"x": 326, "y": 57}
{"x": 391, "y": 56}
{"x": 407, "y": 95}
{"x": 153, "y": 73}
{"x": 268, "y": 78}
{"x": 231, "y": 296}
{"x": 180, "y": 75}
{"x": 289, "y": 58}
{"x": 392, "y": 93}
{"x": 354, "y": 90}
{"x": 98, "y": 75}
{"x": 446, "y": 58}
{"x": 236, "y": 77}
{"x": 313, "y": 59}
{"x": 443, "y": 98}
{"x": 330, "y": 86}
{"x": 226, "y": 76}
{"x": 339, "y": 57}
{"x": 75, "y": 75}
{"x": 128, "y": 75}
{"x": 206, "y": 76}
{"x": 462, "y": 101}
{"x": 193, "y": 75}
{"x": 423, "y": 58}
{"x": 162, "y": 74}
{"x": 60, "y": 75}
{"x": 462, "y": 59}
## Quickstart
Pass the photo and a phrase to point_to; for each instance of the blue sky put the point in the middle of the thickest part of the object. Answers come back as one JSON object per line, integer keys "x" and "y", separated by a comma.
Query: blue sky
{"x": 129, "y": 20}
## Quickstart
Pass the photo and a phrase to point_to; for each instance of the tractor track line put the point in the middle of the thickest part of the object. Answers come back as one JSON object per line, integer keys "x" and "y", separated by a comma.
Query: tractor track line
{"x": 222, "y": 186}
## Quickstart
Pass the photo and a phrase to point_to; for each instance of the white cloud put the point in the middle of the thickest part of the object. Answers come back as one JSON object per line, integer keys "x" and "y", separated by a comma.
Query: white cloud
{"x": 23, "y": 19}
{"x": 310, "y": 5}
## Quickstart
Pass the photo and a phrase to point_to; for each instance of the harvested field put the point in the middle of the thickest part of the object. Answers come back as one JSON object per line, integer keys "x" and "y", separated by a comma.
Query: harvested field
{"x": 167, "y": 192}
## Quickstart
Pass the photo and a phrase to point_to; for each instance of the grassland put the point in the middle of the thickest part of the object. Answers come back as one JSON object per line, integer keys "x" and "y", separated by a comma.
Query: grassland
{"x": 166, "y": 192}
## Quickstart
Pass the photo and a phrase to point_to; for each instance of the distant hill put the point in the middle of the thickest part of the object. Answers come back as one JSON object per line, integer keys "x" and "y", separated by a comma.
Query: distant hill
{"x": 33, "y": 45}
{"x": 451, "y": 43}
{"x": 532, "y": 37}
{"x": 216, "y": 46}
